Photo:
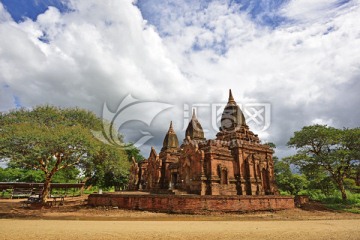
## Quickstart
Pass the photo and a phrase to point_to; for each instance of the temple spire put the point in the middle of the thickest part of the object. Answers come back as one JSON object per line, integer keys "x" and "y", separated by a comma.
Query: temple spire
{"x": 232, "y": 116}
{"x": 231, "y": 98}
{"x": 170, "y": 140}
{"x": 193, "y": 114}
{"x": 171, "y": 126}
{"x": 194, "y": 129}
{"x": 171, "y": 129}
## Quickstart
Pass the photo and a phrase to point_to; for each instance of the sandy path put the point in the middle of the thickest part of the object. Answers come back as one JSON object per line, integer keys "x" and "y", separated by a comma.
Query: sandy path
{"x": 60, "y": 229}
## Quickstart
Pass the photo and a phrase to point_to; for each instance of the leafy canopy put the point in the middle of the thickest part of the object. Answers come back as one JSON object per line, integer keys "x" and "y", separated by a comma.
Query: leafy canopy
{"x": 327, "y": 150}
{"x": 50, "y": 139}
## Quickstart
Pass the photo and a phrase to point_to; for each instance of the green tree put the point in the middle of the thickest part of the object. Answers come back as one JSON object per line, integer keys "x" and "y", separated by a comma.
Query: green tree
{"x": 16, "y": 174}
{"x": 133, "y": 151}
{"x": 67, "y": 175}
{"x": 286, "y": 180}
{"x": 49, "y": 139}
{"x": 110, "y": 167}
{"x": 332, "y": 151}
{"x": 10, "y": 174}
{"x": 318, "y": 180}
{"x": 20, "y": 175}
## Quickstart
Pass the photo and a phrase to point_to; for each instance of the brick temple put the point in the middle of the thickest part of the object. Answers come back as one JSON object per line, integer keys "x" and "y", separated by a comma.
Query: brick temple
{"x": 235, "y": 163}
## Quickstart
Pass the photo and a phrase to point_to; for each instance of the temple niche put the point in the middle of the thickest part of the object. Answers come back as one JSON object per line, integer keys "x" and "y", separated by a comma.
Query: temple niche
{"x": 235, "y": 163}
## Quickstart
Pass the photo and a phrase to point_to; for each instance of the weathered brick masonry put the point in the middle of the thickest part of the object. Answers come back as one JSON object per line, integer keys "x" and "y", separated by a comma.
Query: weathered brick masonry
{"x": 235, "y": 163}
{"x": 192, "y": 203}
{"x": 232, "y": 173}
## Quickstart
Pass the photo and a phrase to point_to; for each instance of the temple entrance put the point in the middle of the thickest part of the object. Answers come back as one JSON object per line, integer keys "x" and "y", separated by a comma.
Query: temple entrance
{"x": 247, "y": 178}
{"x": 265, "y": 180}
{"x": 174, "y": 180}
{"x": 223, "y": 176}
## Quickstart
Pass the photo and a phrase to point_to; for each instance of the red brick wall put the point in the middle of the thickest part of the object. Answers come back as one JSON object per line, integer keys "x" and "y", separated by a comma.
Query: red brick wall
{"x": 192, "y": 204}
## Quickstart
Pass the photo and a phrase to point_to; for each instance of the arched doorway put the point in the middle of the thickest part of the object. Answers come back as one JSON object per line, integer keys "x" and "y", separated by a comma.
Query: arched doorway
{"x": 247, "y": 177}
{"x": 265, "y": 181}
{"x": 224, "y": 176}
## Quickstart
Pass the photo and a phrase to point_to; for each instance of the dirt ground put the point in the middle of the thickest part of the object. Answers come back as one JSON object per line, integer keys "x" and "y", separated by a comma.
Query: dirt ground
{"x": 75, "y": 220}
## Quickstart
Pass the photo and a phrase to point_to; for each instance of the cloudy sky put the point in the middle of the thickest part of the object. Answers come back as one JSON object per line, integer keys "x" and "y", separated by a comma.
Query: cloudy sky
{"x": 300, "y": 57}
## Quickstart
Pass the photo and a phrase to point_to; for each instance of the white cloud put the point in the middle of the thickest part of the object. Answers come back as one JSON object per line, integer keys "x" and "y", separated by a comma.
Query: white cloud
{"x": 320, "y": 10}
{"x": 6, "y": 99}
{"x": 307, "y": 69}
{"x": 4, "y": 15}
{"x": 98, "y": 52}
{"x": 320, "y": 121}
{"x": 303, "y": 68}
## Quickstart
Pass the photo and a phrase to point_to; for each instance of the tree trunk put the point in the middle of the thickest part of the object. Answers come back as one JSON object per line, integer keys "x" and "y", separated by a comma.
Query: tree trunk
{"x": 46, "y": 189}
{"x": 342, "y": 190}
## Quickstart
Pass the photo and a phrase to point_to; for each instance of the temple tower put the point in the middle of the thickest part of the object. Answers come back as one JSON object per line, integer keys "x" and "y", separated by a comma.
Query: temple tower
{"x": 253, "y": 164}
{"x": 232, "y": 117}
{"x": 169, "y": 154}
{"x": 194, "y": 130}
{"x": 171, "y": 142}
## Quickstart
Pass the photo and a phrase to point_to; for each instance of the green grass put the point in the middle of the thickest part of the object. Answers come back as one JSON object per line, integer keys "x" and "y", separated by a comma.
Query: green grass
{"x": 352, "y": 208}
{"x": 5, "y": 194}
{"x": 335, "y": 202}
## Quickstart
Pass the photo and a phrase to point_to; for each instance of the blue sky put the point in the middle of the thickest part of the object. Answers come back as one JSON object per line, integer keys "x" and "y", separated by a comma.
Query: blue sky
{"x": 20, "y": 9}
{"x": 264, "y": 12}
{"x": 31, "y": 8}
{"x": 301, "y": 57}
